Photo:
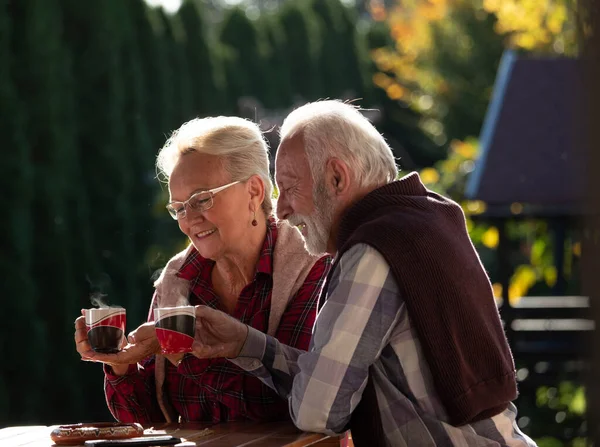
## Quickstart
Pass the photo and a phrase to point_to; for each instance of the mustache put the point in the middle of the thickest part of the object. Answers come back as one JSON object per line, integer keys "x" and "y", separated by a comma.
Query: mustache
{"x": 296, "y": 220}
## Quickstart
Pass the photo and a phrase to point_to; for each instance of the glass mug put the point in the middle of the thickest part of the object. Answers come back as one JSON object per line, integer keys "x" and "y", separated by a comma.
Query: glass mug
{"x": 175, "y": 328}
{"x": 106, "y": 328}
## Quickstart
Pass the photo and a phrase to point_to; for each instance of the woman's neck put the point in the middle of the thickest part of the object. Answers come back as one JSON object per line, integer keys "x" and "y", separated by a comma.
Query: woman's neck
{"x": 234, "y": 270}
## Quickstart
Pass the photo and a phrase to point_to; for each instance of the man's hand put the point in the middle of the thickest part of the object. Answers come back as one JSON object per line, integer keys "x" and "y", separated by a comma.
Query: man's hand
{"x": 217, "y": 334}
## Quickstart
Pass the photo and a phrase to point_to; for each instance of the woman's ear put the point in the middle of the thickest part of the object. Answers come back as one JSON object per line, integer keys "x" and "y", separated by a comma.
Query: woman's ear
{"x": 256, "y": 188}
{"x": 337, "y": 176}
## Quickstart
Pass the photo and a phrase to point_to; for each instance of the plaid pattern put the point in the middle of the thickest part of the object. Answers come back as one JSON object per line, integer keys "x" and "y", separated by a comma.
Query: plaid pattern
{"x": 215, "y": 389}
{"x": 363, "y": 328}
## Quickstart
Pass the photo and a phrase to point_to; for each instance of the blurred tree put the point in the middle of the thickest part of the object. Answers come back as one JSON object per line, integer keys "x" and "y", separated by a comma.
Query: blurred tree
{"x": 16, "y": 287}
{"x": 159, "y": 89}
{"x": 378, "y": 35}
{"x": 207, "y": 88}
{"x": 93, "y": 32}
{"x": 247, "y": 69}
{"x": 42, "y": 80}
{"x": 179, "y": 74}
{"x": 466, "y": 53}
{"x": 537, "y": 25}
{"x": 303, "y": 38}
{"x": 277, "y": 67}
{"x": 443, "y": 65}
{"x": 399, "y": 122}
{"x": 341, "y": 70}
{"x": 94, "y": 35}
{"x": 139, "y": 150}
{"x": 447, "y": 52}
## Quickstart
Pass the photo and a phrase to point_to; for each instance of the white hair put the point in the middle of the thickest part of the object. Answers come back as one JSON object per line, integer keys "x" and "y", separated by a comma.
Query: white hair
{"x": 333, "y": 128}
{"x": 240, "y": 142}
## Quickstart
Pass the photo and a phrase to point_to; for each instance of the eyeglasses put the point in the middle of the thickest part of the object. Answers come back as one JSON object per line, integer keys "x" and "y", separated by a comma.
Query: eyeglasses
{"x": 201, "y": 201}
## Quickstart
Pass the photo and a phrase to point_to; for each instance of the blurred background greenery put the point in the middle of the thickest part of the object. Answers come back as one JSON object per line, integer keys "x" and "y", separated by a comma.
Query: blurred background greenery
{"x": 90, "y": 90}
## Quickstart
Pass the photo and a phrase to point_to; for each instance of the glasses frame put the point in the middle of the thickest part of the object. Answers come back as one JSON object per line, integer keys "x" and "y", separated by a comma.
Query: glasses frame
{"x": 211, "y": 192}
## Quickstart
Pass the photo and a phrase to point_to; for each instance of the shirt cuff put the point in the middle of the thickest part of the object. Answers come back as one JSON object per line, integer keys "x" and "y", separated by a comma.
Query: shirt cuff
{"x": 255, "y": 344}
{"x": 113, "y": 378}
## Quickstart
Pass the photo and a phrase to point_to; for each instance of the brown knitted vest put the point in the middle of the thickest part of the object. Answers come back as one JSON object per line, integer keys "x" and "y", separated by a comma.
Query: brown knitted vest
{"x": 448, "y": 295}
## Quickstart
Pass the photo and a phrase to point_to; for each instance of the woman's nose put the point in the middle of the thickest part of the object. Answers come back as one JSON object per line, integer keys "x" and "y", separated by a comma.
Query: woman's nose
{"x": 189, "y": 219}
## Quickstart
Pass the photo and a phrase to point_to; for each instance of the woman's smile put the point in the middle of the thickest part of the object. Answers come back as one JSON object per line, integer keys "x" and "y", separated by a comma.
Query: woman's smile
{"x": 204, "y": 234}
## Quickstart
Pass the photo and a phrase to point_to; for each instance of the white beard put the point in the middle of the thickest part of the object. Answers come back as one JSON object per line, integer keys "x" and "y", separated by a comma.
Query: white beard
{"x": 319, "y": 223}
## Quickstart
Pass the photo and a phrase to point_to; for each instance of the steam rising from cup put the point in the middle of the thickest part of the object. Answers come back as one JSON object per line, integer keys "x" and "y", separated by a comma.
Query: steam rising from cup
{"x": 98, "y": 299}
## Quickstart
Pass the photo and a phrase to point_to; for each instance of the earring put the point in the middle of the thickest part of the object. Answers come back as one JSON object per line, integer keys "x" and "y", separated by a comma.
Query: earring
{"x": 254, "y": 222}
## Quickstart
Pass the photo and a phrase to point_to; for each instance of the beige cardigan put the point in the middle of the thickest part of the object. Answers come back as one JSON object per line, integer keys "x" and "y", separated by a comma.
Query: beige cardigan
{"x": 291, "y": 265}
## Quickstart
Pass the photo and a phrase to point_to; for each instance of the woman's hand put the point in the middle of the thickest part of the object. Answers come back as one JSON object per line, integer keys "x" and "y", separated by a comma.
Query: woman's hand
{"x": 142, "y": 343}
{"x": 217, "y": 334}
{"x": 82, "y": 343}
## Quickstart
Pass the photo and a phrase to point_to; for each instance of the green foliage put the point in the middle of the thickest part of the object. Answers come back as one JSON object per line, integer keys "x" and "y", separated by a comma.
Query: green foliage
{"x": 247, "y": 44}
{"x": 444, "y": 66}
{"x": 178, "y": 74}
{"x": 95, "y": 38}
{"x": 206, "y": 88}
{"x": 567, "y": 397}
{"x": 340, "y": 69}
{"x": 279, "y": 84}
{"x": 40, "y": 78}
{"x": 565, "y": 404}
{"x": 465, "y": 53}
{"x": 400, "y": 123}
{"x": 159, "y": 97}
{"x": 302, "y": 34}
{"x": 15, "y": 234}
{"x": 543, "y": 26}
{"x": 101, "y": 103}
{"x": 140, "y": 155}
{"x": 378, "y": 36}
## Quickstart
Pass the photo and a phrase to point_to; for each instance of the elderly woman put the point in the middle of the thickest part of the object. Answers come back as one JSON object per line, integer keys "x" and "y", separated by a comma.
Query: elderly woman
{"x": 240, "y": 261}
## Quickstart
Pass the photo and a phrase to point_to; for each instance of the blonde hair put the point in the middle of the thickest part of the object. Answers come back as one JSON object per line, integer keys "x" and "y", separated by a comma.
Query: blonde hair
{"x": 333, "y": 128}
{"x": 240, "y": 142}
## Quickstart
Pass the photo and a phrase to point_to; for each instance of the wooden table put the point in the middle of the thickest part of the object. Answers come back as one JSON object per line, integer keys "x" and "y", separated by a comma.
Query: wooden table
{"x": 233, "y": 434}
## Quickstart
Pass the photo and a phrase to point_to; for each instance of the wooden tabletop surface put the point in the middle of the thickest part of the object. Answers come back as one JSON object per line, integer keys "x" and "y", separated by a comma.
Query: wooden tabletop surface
{"x": 233, "y": 434}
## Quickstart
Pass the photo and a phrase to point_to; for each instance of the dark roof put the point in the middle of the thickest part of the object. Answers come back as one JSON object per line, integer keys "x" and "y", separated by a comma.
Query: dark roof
{"x": 528, "y": 143}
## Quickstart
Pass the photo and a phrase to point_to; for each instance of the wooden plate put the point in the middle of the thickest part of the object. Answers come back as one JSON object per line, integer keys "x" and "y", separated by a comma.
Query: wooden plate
{"x": 75, "y": 434}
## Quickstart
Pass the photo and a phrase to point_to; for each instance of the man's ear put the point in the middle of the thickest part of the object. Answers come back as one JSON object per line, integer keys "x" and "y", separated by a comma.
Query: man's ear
{"x": 337, "y": 176}
{"x": 256, "y": 188}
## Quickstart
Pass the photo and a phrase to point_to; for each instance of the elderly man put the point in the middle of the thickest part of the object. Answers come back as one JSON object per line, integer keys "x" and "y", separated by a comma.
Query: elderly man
{"x": 407, "y": 323}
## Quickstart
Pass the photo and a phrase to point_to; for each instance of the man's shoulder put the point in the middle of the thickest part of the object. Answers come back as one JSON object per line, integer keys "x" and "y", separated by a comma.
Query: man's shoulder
{"x": 364, "y": 264}
{"x": 361, "y": 251}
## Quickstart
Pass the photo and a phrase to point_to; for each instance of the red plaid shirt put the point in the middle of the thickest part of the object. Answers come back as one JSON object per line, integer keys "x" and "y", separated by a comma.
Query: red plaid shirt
{"x": 217, "y": 390}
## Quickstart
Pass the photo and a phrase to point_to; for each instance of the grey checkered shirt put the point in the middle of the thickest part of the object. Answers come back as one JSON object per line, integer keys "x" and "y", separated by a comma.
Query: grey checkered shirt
{"x": 364, "y": 328}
